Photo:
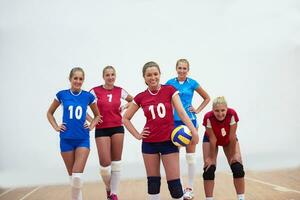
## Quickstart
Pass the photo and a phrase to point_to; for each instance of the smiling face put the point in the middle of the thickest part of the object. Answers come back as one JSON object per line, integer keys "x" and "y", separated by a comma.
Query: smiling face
{"x": 109, "y": 76}
{"x": 76, "y": 80}
{"x": 152, "y": 77}
{"x": 182, "y": 69}
{"x": 220, "y": 111}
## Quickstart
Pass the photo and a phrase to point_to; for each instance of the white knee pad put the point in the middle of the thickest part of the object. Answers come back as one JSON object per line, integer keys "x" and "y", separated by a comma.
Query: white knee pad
{"x": 76, "y": 180}
{"x": 190, "y": 158}
{"x": 105, "y": 171}
{"x": 116, "y": 166}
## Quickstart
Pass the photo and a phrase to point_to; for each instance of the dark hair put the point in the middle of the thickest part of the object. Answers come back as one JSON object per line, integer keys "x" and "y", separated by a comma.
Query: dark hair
{"x": 150, "y": 64}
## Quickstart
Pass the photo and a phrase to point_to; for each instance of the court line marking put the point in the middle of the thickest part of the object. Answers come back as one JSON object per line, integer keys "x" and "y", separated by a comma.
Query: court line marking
{"x": 7, "y": 191}
{"x": 275, "y": 187}
{"x": 30, "y": 193}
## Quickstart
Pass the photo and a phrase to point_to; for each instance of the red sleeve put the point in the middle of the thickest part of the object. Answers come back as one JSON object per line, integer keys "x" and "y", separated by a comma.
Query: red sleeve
{"x": 205, "y": 120}
{"x": 137, "y": 100}
{"x": 236, "y": 117}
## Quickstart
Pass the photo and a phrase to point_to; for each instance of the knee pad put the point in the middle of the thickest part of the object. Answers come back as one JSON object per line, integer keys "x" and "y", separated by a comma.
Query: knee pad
{"x": 190, "y": 158}
{"x": 175, "y": 188}
{"x": 105, "y": 171}
{"x": 76, "y": 180}
{"x": 237, "y": 170}
{"x": 209, "y": 174}
{"x": 153, "y": 184}
{"x": 116, "y": 166}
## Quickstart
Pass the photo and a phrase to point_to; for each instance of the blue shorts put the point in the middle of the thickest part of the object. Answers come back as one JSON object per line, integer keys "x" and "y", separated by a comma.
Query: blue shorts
{"x": 194, "y": 121}
{"x": 162, "y": 148}
{"x": 206, "y": 139}
{"x": 72, "y": 144}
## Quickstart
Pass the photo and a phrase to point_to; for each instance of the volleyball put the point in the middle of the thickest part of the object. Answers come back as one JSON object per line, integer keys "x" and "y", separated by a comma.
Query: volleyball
{"x": 181, "y": 136}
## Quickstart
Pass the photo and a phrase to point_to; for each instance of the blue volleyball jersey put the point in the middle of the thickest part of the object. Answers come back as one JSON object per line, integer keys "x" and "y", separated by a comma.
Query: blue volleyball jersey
{"x": 74, "y": 113}
{"x": 186, "y": 93}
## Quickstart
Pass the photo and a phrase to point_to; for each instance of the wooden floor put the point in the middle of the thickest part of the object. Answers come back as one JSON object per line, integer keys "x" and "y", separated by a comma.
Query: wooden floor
{"x": 271, "y": 185}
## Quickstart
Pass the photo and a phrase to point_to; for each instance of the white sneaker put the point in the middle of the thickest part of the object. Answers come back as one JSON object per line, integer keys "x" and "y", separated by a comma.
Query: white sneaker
{"x": 188, "y": 194}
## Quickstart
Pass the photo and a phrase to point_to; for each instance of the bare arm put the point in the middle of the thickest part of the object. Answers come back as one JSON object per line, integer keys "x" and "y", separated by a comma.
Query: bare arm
{"x": 129, "y": 99}
{"x": 212, "y": 142}
{"x": 232, "y": 142}
{"x": 51, "y": 118}
{"x": 96, "y": 118}
{"x": 133, "y": 108}
{"x": 184, "y": 117}
{"x": 205, "y": 101}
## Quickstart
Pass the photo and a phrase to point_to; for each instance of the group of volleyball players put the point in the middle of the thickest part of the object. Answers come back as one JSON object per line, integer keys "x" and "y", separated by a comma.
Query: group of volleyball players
{"x": 165, "y": 107}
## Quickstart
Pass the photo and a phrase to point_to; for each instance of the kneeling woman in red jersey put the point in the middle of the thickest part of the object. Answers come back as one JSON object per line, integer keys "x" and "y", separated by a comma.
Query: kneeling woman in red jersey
{"x": 221, "y": 126}
{"x": 157, "y": 102}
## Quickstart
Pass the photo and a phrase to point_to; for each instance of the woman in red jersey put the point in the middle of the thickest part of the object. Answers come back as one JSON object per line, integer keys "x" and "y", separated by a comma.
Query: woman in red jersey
{"x": 110, "y": 133}
{"x": 221, "y": 126}
{"x": 157, "y": 102}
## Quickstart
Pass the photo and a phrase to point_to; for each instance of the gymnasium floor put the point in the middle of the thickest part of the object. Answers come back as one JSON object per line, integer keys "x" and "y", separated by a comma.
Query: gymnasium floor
{"x": 260, "y": 185}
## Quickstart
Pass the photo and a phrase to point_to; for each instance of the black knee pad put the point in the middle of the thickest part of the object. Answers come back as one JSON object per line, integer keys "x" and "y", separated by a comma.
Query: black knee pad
{"x": 175, "y": 188}
{"x": 153, "y": 184}
{"x": 237, "y": 170}
{"x": 209, "y": 174}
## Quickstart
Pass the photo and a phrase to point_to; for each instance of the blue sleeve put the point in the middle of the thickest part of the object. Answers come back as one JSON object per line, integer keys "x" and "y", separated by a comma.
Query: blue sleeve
{"x": 91, "y": 98}
{"x": 59, "y": 96}
{"x": 168, "y": 82}
{"x": 195, "y": 84}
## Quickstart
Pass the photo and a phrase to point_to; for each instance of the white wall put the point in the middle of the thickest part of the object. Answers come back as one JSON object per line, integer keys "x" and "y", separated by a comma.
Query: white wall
{"x": 248, "y": 51}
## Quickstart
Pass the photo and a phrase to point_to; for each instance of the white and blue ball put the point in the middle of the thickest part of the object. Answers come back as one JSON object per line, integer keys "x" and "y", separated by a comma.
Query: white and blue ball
{"x": 181, "y": 136}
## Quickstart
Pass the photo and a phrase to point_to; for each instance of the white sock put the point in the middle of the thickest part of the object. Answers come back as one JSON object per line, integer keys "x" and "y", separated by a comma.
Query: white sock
{"x": 153, "y": 197}
{"x": 105, "y": 174}
{"x": 209, "y": 198}
{"x": 115, "y": 176}
{"x": 241, "y": 197}
{"x": 191, "y": 162}
{"x": 76, "y": 186}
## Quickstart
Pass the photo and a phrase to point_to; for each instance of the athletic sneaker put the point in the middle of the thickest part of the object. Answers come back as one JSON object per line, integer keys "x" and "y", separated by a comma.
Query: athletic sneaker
{"x": 188, "y": 194}
{"x": 113, "y": 197}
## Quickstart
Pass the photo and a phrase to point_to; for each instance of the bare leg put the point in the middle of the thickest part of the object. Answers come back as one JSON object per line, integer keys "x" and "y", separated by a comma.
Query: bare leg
{"x": 239, "y": 183}
{"x": 208, "y": 184}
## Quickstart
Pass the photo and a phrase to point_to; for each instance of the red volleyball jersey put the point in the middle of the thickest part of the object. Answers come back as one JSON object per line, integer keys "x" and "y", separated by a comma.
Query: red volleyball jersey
{"x": 158, "y": 110}
{"x": 109, "y": 102}
{"x": 221, "y": 128}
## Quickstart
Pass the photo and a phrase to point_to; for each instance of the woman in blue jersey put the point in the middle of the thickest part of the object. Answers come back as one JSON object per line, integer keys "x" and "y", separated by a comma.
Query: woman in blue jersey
{"x": 186, "y": 87}
{"x": 74, "y": 132}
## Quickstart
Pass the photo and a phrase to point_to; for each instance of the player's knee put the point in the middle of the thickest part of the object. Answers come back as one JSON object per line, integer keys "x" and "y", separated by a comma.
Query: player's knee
{"x": 237, "y": 170}
{"x": 190, "y": 158}
{"x": 105, "y": 171}
{"x": 175, "y": 188}
{"x": 153, "y": 184}
{"x": 209, "y": 173}
{"x": 76, "y": 180}
{"x": 116, "y": 166}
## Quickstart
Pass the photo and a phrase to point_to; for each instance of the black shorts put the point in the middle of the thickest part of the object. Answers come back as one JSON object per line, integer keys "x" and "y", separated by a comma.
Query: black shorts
{"x": 159, "y": 147}
{"x": 108, "y": 132}
{"x": 206, "y": 139}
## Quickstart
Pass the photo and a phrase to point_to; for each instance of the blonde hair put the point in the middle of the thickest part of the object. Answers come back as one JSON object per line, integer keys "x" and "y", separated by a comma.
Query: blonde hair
{"x": 75, "y": 69}
{"x": 219, "y": 100}
{"x": 150, "y": 64}
{"x": 108, "y": 67}
{"x": 183, "y": 60}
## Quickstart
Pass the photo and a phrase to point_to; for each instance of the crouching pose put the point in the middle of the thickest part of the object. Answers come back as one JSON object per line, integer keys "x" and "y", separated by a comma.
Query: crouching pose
{"x": 221, "y": 126}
